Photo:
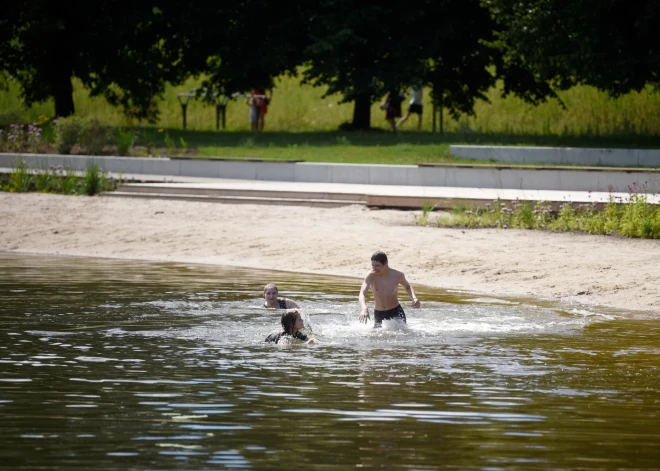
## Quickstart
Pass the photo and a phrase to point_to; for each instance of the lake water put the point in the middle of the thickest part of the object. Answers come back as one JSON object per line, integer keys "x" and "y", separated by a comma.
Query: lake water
{"x": 121, "y": 365}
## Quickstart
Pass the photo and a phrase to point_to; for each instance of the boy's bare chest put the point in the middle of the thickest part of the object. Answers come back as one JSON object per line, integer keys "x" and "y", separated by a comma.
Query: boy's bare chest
{"x": 385, "y": 285}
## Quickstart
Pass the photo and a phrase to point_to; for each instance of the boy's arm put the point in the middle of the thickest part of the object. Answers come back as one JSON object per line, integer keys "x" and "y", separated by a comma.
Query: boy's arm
{"x": 410, "y": 291}
{"x": 364, "y": 314}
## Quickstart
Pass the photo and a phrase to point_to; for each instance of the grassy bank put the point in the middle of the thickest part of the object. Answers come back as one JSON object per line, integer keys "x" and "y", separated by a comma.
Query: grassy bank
{"x": 301, "y": 108}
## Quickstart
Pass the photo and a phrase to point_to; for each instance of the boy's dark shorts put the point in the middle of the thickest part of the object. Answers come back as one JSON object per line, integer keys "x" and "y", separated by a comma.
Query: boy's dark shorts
{"x": 394, "y": 313}
{"x": 415, "y": 108}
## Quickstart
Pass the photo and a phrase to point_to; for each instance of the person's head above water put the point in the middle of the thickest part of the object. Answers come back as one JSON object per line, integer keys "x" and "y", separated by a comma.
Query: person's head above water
{"x": 378, "y": 261}
{"x": 270, "y": 292}
{"x": 292, "y": 322}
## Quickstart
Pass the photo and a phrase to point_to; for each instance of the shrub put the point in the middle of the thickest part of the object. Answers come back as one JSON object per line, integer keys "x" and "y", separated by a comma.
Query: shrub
{"x": 67, "y": 134}
{"x": 124, "y": 139}
{"x": 9, "y": 118}
{"x": 94, "y": 181}
{"x": 93, "y": 136}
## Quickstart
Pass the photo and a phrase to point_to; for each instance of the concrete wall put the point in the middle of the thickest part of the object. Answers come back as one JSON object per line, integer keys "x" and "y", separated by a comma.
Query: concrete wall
{"x": 535, "y": 178}
{"x": 561, "y": 155}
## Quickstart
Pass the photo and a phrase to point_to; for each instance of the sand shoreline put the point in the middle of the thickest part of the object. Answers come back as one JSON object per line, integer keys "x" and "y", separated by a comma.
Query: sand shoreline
{"x": 577, "y": 269}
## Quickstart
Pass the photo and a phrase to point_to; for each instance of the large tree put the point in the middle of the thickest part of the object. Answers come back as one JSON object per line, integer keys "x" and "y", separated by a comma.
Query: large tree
{"x": 610, "y": 44}
{"x": 361, "y": 49}
{"x": 262, "y": 40}
{"x": 125, "y": 50}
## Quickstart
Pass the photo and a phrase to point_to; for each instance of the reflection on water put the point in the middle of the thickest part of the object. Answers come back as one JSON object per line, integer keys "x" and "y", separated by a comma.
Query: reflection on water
{"x": 129, "y": 365}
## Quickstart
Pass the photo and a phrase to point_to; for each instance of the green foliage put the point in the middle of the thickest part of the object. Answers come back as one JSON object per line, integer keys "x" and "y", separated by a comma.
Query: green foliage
{"x": 94, "y": 181}
{"x": 44, "y": 47}
{"x": 67, "y": 133}
{"x": 427, "y": 208}
{"x": 93, "y": 136}
{"x": 634, "y": 218}
{"x": 124, "y": 139}
{"x": 148, "y": 137}
{"x": 361, "y": 51}
{"x": 10, "y": 117}
{"x": 58, "y": 180}
{"x": 170, "y": 144}
{"x": 21, "y": 179}
{"x": 184, "y": 144}
{"x": 604, "y": 44}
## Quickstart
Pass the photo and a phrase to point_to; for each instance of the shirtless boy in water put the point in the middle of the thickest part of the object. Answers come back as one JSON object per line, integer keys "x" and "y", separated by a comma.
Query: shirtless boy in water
{"x": 384, "y": 283}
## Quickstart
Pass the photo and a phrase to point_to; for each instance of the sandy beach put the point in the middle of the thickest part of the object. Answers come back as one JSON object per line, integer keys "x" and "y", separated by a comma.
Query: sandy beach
{"x": 574, "y": 268}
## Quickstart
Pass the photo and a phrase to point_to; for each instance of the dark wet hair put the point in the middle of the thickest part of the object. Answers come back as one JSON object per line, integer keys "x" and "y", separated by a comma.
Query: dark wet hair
{"x": 270, "y": 286}
{"x": 379, "y": 257}
{"x": 289, "y": 319}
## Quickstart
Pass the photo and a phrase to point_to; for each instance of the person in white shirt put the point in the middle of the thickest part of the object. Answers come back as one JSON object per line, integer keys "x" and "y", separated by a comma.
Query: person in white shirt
{"x": 414, "y": 106}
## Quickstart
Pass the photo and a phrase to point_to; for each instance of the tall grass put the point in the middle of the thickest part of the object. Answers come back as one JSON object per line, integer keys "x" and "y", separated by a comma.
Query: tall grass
{"x": 635, "y": 218}
{"x": 57, "y": 180}
{"x": 297, "y": 107}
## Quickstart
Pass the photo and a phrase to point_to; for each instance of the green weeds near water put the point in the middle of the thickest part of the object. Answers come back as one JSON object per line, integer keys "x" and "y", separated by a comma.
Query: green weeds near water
{"x": 636, "y": 218}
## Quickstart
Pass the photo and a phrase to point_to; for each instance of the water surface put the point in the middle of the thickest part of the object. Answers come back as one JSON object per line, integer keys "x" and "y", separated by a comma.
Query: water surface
{"x": 108, "y": 364}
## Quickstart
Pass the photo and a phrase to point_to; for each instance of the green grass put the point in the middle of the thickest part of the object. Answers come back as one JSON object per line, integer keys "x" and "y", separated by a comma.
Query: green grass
{"x": 301, "y": 125}
{"x": 297, "y": 108}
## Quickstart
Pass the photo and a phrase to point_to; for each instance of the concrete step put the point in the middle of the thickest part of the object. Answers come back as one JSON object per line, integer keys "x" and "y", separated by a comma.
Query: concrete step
{"x": 317, "y": 203}
{"x": 174, "y": 189}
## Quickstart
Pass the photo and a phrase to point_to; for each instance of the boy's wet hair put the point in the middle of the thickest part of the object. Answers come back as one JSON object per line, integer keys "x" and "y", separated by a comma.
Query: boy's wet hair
{"x": 271, "y": 286}
{"x": 379, "y": 257}
{"x": 289, "y": 321}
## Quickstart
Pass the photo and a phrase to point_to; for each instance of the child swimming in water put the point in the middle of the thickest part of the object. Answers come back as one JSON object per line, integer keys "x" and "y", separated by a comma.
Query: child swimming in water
{"x": 292, "y": 323}
{"x": 273, "y": 302}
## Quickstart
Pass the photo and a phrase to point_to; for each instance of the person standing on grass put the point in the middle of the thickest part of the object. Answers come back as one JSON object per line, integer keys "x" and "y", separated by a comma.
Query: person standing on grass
{"x": 392, "y": 107}
{"x": 414, "y": 106}
{"x": 384, "y": 283}
{"x": 261, "y": 97}
{"x": 273, "y": 302}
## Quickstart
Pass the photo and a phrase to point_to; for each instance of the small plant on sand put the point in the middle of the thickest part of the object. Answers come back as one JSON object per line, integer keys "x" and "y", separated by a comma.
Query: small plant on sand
{"x": 94, "y": 180}
{"x": 21, "y": 179}
{"x": 427, "y": 208}
{"x": 184, "y": 145}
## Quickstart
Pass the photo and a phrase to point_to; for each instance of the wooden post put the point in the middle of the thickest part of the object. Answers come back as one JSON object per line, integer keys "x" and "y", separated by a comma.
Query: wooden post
{"x": 184, "y": 108}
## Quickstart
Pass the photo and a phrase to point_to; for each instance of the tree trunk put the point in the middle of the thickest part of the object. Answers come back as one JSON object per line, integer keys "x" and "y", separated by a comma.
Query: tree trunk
{"x": 362, "y": 113}
{"x": 63, "y": 94}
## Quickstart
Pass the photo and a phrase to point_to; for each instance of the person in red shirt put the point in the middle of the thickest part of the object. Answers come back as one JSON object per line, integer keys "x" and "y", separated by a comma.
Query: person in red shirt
{"x": 260, "y": 99}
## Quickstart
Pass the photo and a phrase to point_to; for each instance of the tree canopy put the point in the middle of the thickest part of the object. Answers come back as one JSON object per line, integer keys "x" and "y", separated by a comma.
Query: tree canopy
{"x": 128, "y": 51}
{"x": 613, "y": 45}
